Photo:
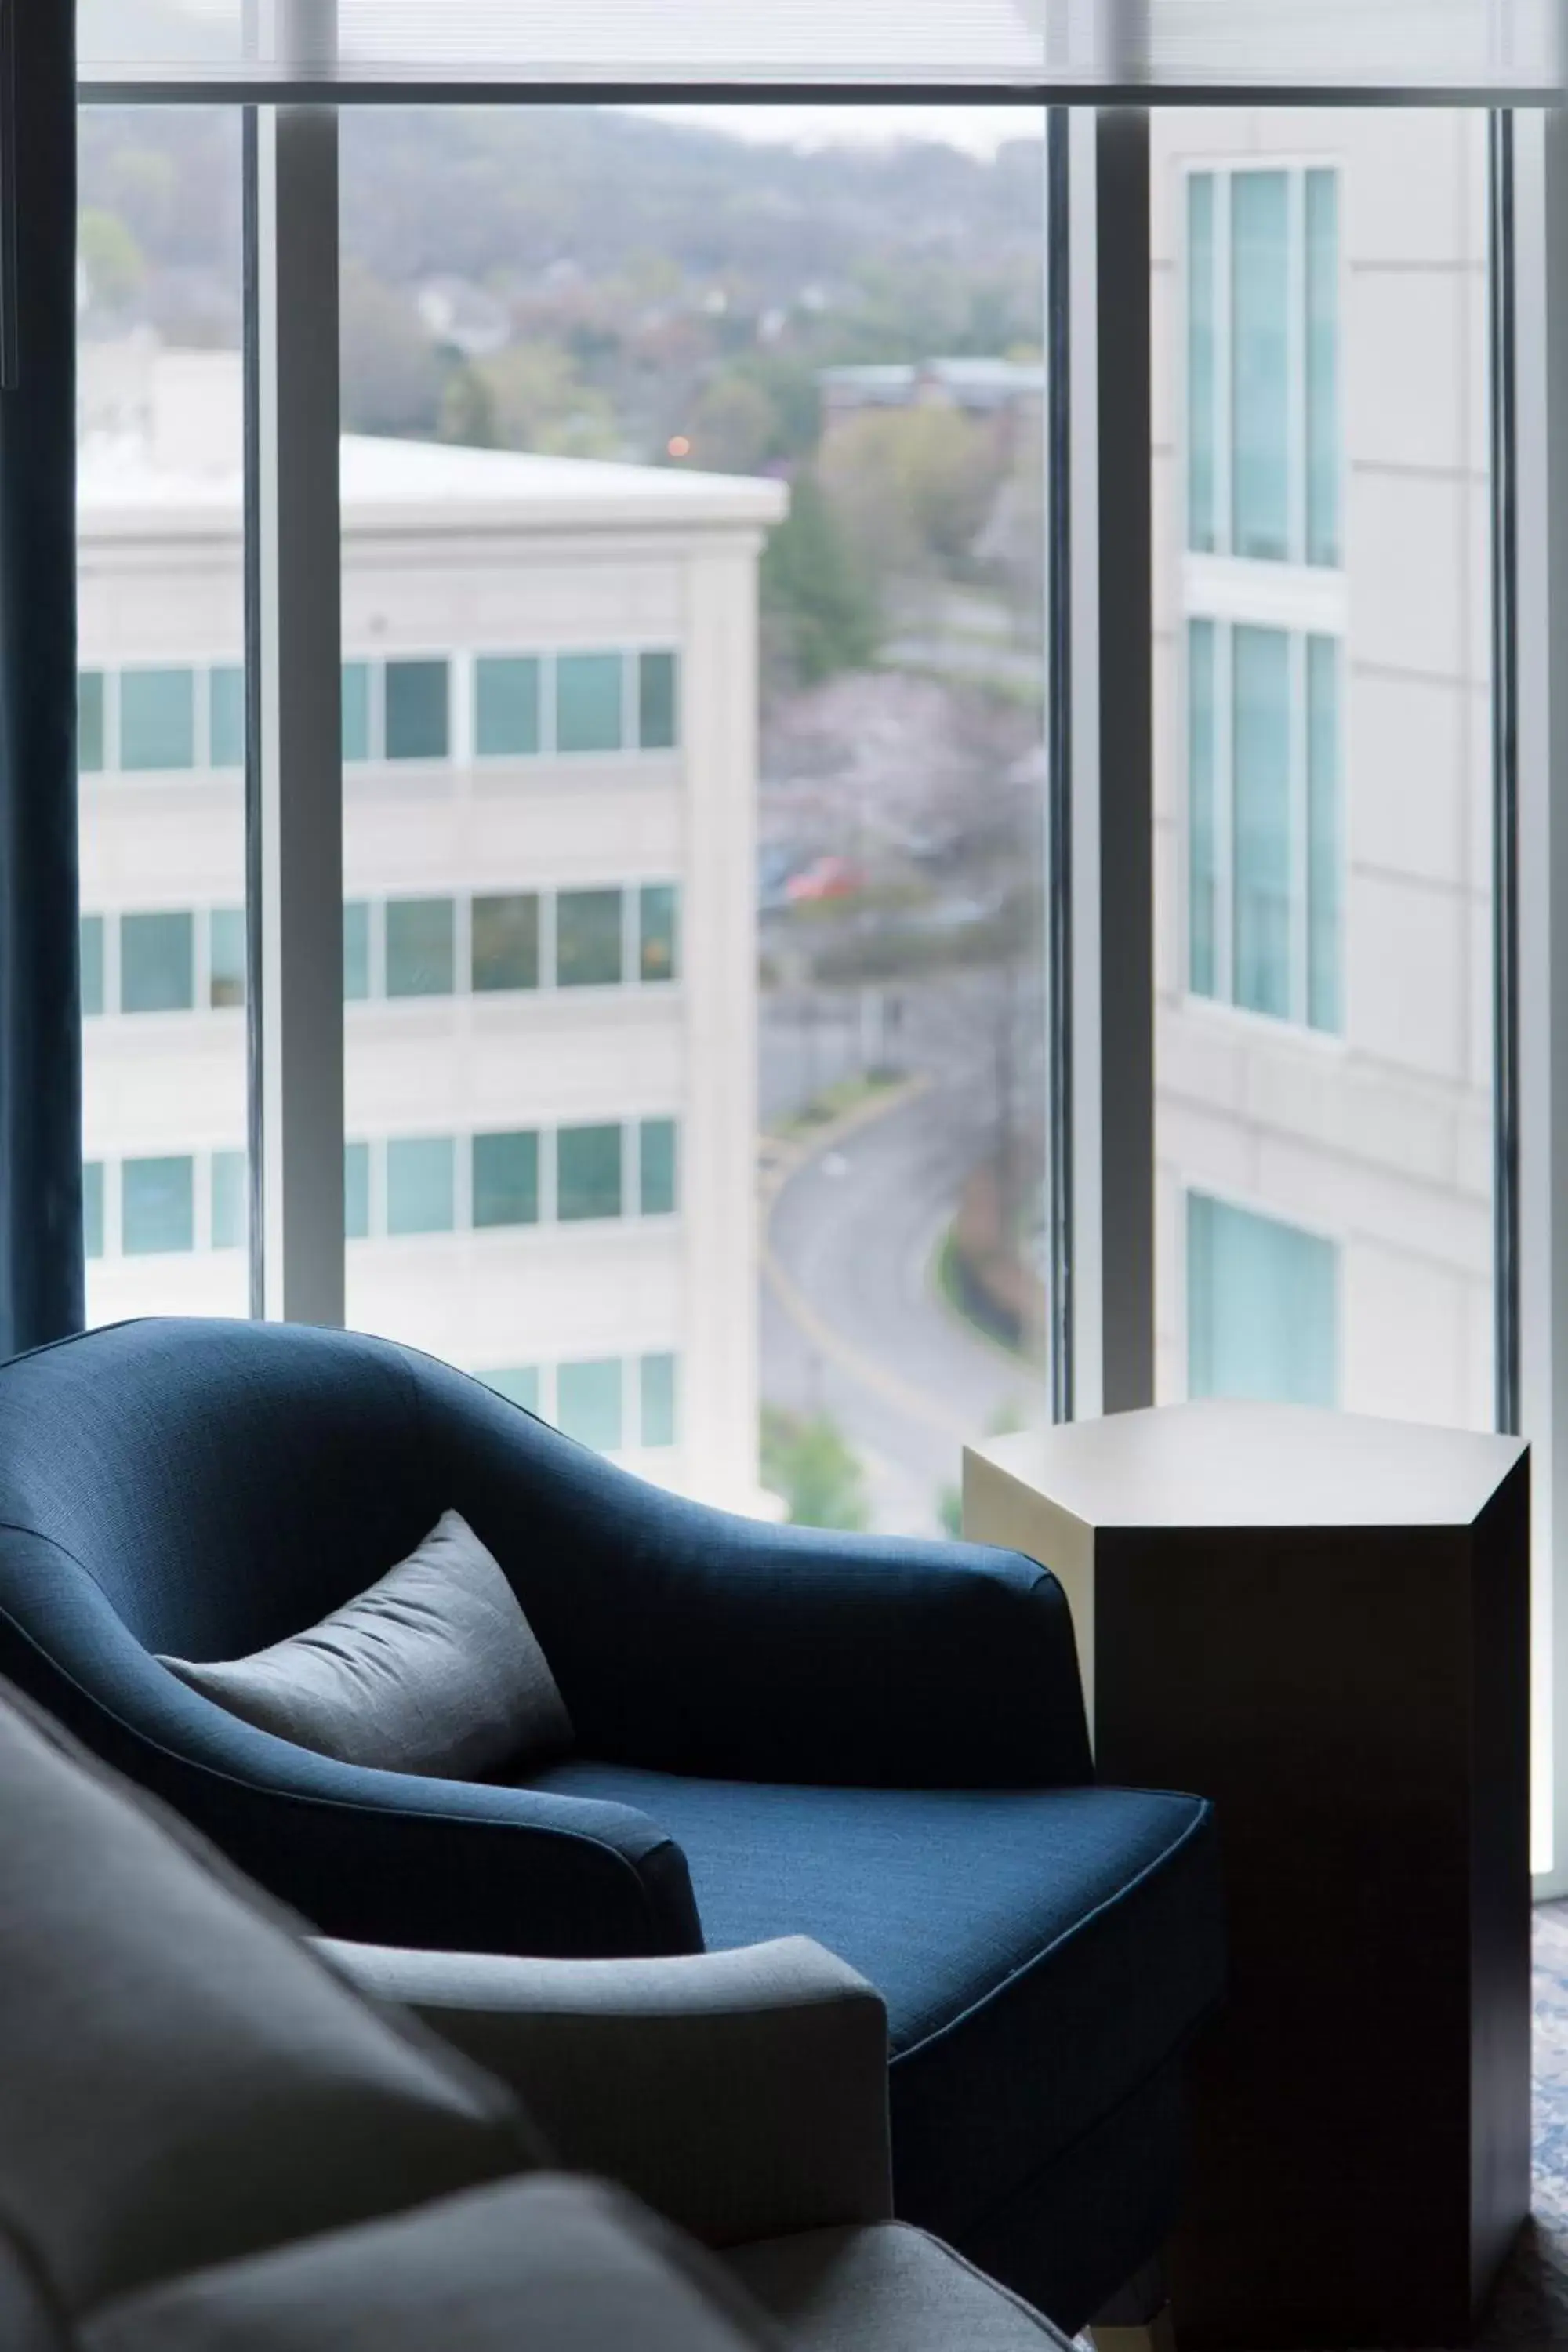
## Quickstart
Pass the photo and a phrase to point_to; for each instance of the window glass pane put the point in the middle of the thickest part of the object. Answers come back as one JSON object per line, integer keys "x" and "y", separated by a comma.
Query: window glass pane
{"x": 356, "y": 711}
{"x": 588, "y": 702}
{"x": 1322, "y": 368}
{"x": 90, "y": 732}
{"x": 92, "y": 1207}
{"x": 656, "y": 702}
{"x": 1203, "y": 829}
{"x": 93, "y": 963}
{"x": 656, "y": 1382}
{"x": 506, "y": 1179}
{"x": 588, "y": 1172}
{"x": 520, "y": 1385}
{"x": 225, "y": 954}
{"x": 1259, "y": 335}
{"x": 588, "y": 1403}
{"x": 416, "y": 709}
{"x": 656, "y": 904}
{"x": 356, "y": 1192}
{"x": 226, "y": 711}
{"x": 506, "y": 705}
{"x": 157, "y": 719}
{"x": 1260, "y": 726}
{"x": 229, "y": 1207}
{"x": 506, "y": 941}
{"x": 157, "y": 1205}
{"x": 356, "y": 950}
{"x": 587, "y": 937}
{"x": 421, "y": 958}
{"x": 1262, "y": 1308}
{"x": 657, "y": 1166}
{"x": 1202, "y": 531}
{"x": 421, "y": 1184}
{"x": 157, "y": 963}
{"x": 1323, "y": 950}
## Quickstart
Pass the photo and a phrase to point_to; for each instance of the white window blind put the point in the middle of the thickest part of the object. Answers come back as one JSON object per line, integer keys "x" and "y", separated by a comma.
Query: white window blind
{"x": 1444, "y": 49}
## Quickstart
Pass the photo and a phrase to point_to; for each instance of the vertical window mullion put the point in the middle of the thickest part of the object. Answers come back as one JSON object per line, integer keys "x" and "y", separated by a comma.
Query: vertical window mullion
{"x": 1225, "y": 813}
{"x": 1296, "y": 362}
{"x": 1301, "y": 837}
{"x": 1224, "y": 420}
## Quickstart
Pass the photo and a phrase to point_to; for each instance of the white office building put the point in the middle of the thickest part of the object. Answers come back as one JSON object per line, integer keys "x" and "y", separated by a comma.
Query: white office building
{"x": 550, "y": 709}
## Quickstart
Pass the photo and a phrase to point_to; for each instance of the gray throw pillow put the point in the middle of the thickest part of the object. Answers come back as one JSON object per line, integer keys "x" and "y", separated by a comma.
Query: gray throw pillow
{"x": 435, "y": 1670}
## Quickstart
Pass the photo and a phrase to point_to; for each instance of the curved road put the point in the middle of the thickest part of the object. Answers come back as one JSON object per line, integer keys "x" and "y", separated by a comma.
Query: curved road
{"x": 852, "y": 1323}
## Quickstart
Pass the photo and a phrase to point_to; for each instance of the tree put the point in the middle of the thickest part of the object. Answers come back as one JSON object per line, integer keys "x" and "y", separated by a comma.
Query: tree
{"x": 528, "y": 396}
{"x": 110, "y": 256}
{"x": 910, "y": 487}
{"x": 805, "y": 1460}
{"x": 734, "y": 426}
{"x": 392, "y": 374}
{"x": 817, "y": 606}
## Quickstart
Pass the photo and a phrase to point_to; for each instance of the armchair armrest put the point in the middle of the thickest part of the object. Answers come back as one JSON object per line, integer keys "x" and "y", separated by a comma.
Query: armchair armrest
{"x": 741, "y": 2094}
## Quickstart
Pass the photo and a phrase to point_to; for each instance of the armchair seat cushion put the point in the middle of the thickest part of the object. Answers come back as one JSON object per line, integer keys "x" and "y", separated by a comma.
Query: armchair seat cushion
{"x": 884, "y": 2289}
{"x": 1042, "y": 1953}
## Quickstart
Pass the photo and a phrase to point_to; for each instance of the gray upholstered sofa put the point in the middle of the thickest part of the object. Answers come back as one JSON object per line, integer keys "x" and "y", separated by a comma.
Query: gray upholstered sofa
{"x": 217, "y": 2138}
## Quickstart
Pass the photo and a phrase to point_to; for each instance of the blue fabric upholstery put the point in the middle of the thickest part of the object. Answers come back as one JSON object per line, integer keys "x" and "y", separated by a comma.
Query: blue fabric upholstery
{"x": 879, "y": 1742}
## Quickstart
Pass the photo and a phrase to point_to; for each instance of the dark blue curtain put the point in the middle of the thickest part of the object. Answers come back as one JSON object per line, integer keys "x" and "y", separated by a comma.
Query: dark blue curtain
{"x": 41, "y": 1274}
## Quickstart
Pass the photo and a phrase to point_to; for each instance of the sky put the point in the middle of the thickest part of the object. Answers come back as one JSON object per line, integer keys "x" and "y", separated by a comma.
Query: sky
{"x": 979, "y": 129}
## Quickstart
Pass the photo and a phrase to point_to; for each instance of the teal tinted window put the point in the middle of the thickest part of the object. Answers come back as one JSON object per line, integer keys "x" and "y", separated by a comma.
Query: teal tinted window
{"x": 656, "y": 702}
{"x": 157, "y": 963}
{"x": 1262, "y": 1307}
{"x": 505, "y": 941}
{"x": 656, "y": 1166}
{"x": 157, "y": 719}
{"x": 657, "y": 945}
{"x": 655, "y": 1381}
{"x": 1261, "y": 373}
{"x": 157, "y": 1206}
{"x": 225, "y": 717}
{"x": 588, "y": 1402}
{"x": 356, "y": 950}
{"x": 93, "y": 963}
{"x": 587, "y": 937}
{"x": 587, "y": 1173}
{"x": 421, "y": 950}
{"x": 588, "y": 702}
{"x": 506, "y": 705}
{"x": 1260, "y": 689}
{"x": 89, "y": 726}
{"x": 1202, "y": 516}
{"x": 421, "y": 1184}
{"x": 506, "y": 1179}
{"x": 521, "y": 1384}
{"x": 1322, "y": 274}
{"x": 356, "y": 711}
{"x": 226, "y": 956}
{"x": 356, "y": 1192}
{"x": 229, "y": 1207}
{"x": 1323, "y": 953}
{"x": 92, "y": 1207}
{"x": 1202, "y": 810}
{"x": 415, "y": 714}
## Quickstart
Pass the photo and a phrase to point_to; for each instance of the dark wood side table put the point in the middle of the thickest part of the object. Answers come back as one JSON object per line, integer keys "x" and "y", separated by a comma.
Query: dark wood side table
{"x": 1322, "y": 1623}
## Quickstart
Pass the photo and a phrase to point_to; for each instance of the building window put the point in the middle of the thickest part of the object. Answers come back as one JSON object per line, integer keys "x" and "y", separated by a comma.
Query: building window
{"x": 92, "y": 953}
{"x": 225, "y": 717}
{"x": 421, "y": 1184}
{"x": 588, "y": 1402}
{"x": 356, "y": 711}
{"x": 1262, "y": 1307}
{"x": 656, "y": 935}
{"x": 416, "y": 717}
{"x": 588, "y": 690}
{"x": 157, "y": 963}
{"x": 655, "y": 1381}
{"x": 587, "y": 939}
{"x": 505, "y": 942}
{"x": 520, "y": 1385}
{"x": 657, "y": 726}
{"x": 92, "y": 1207}
{"x": 230, "y": 1209}
{"x": 506, "y": 705}
{"x": 356, "y": 950}
{"x": 157, "y": 720}
{"x": 421, "y": 953}
{"x": 656, "y": 1166}
{"x": 226, "y": 956}
{"x": 90, "y": 744}
{"x": 506, "y": 1178}
{"x": 356, "y": 1192}
{"x": 588, "y": 1173}
{"x": 157, "y": 1206}
{"x": 1263, "y": 822}
{"x": 1262, "y": 365}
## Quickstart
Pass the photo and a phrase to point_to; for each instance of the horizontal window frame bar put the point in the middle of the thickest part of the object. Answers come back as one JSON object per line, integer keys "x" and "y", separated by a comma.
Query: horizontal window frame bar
{"x": 157, "y": 88}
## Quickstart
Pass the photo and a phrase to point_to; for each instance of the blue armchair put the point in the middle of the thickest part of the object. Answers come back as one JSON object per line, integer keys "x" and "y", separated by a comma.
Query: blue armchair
{"x": 877, "y": 1743}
